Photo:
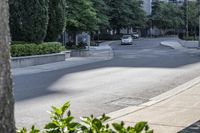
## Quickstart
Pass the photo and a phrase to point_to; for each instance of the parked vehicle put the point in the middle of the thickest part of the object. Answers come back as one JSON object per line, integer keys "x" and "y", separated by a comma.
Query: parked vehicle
{"x": 135, "y": 35}
{"x": 126, "y": 39}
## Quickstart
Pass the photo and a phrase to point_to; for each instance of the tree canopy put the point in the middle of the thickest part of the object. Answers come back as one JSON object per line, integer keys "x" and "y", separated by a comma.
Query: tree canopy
{"x": 193, "y": 14}
{"x": 80, "y": 16}
{"x": 139, "y": 17}
{"x": 56, "y": 24}
{"x": 166, "y": 15}
{"x": 102, "y": 11}
{"x": 126, "y": 13}
{"x": 28, "y": 20}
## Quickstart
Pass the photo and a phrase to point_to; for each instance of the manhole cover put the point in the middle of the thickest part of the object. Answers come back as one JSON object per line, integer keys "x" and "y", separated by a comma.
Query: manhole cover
{"x": 126, "y": 101}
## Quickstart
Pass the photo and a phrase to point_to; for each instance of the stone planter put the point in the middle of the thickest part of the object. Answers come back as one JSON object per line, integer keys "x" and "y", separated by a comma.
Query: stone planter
{"x": 80, "y": 53}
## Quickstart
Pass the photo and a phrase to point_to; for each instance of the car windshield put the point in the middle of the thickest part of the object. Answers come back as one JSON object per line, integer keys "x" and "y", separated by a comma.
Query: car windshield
{"x": 126, "y": 37}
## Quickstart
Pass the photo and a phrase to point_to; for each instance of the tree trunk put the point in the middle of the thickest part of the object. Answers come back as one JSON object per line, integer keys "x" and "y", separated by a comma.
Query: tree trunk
{"x": 74, "y": 37}
{"x": 118, "y": 31}
{"x": 7, "y": 124}
{"x": 128, "y": 30}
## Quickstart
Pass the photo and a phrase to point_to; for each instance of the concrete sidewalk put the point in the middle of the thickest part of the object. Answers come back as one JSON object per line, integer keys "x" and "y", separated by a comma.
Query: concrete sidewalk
{"x": 175, "y": 111}
{"x": 172, "y": 44}
{"x": 178, "y": 45}
{"x": 97, "y": 53}
{"x": 190, "y": 44}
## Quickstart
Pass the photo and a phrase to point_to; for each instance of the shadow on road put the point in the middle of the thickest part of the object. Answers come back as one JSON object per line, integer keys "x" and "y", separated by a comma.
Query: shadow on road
{"x": 36, "y": 85}
{"x": 194, "y": 128}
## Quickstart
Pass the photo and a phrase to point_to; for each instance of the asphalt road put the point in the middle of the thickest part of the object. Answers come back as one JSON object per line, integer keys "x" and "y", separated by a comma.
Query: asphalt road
{"x": 135, "y": 74}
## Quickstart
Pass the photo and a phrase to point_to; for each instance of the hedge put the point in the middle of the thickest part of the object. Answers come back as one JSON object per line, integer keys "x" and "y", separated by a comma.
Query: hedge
{"x": 108, "y": 37}
{"x": 27, "y": 49}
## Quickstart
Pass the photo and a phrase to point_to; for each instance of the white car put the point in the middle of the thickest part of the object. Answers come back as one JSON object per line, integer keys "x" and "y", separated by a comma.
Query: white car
{"x": 135, "y": 35}
{"x": 126, "y": 39}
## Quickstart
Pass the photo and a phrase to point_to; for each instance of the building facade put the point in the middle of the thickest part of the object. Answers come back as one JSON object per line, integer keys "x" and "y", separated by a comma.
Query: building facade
{"x": 147, "y": 6}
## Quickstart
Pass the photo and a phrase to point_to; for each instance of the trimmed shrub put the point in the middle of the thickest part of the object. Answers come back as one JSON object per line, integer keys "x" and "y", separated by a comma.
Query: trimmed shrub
{"x": 36, "y": 49}
{"x": 63, "y": 122}
{"x": 108, "y": 37}
{"x": 56, "y": 23}
{"x": 71, "y": 45}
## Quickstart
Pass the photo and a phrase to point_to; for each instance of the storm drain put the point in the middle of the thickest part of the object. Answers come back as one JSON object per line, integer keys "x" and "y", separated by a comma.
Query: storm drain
{"x": 127, "y": 101}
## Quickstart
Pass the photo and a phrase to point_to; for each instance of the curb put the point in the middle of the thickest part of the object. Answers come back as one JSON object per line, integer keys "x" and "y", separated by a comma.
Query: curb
{"x": 189, "y": 44}
{"x": 172, "y": 44}
{"x": 103, "y": 50}
{"x": 171, "y": 93}
{"x": 166, "y": 45}
{"x": 109, "y": 50}
{"x": 179, "y": 46}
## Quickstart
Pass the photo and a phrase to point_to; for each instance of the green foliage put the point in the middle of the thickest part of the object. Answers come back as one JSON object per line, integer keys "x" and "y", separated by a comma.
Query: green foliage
{"x": 102, "y": 13}
{"x": 166, "y": 15}
{"x": 119, "y": 13}
{"x": 15, "y": 19}
{"x": 63, "y": 122}
{"x": 80, "y": 16}
{"x": 189, "y": 38}
{"x": 28, "y": 20}
{"x": 80, "y": 45}
{"x": 35, "y": 20}
{"x": 138, "y": 17}
{"x": 126, "y": 14}
{"x": 108, "y": 37}
{"x": 24, "y": 130}
{"x": 35, "y": 49}
{"x": 193, "y": 21}
{"x": 56, "y": 23}
{"x": 59, "y": 123}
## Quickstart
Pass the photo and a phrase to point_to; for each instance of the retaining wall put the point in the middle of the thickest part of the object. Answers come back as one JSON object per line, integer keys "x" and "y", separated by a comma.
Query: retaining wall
{"x": 18, "y": 62}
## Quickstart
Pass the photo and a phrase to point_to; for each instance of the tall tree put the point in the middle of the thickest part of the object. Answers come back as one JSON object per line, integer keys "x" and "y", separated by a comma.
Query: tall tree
{"x": 80, "y": 16}
{"x": 15, "y": 19}
{"x": 193, "y": 21}
{"x": 102, "y": 13}
{"x": 126, "y": 14}
{"x": 34, "y": 20}
{"x": 166, "y": 15}
{"x": 155, "y": 6}
{"x": 56, "y": 23}
{"x": 119, "y": 14}
{"x": 31, "y": 19}
{"x": 138, "y": 17}
{"x": 7, "y": 124}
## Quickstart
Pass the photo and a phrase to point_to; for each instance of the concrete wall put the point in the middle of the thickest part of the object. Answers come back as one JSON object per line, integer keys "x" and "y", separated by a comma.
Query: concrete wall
{"x": 80, "y": 53}
{"x": 18, "y": 62}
